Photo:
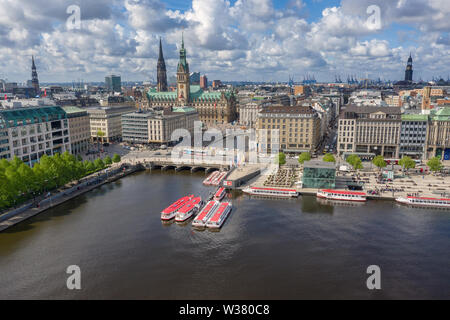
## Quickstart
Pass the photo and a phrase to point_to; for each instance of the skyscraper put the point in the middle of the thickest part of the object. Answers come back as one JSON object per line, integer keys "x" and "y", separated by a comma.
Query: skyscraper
{"x": 409, "y": 70}
{"x": 161, "y": 70}
{"x": 34, "y": 77}
{"x": 113, "y": 83}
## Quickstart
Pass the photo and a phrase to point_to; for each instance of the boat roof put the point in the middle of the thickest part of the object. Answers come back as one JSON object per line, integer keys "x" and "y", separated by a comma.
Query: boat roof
{"x": 274, "y": 189}
{"x": 206, "y": 210}
{"x": 188, "y": 206}
{"x": 219, "y": 192}
{"x": 177, "y": 204}
{"x": 344, "y": 192}
{"x": 427, "y": 198}
{"x": 219, "y": 212}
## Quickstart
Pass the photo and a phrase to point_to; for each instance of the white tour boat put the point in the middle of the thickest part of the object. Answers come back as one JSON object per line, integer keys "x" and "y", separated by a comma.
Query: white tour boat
{"x": 188, "y": 209}
{"x": 342, "y": 195}
{"x": 171, "y": 211}
{"x": 425, "y": 201}
{"x": 271, "y": 192}
{"x": 204, "y": 215}
{"x": 218, "y": 218}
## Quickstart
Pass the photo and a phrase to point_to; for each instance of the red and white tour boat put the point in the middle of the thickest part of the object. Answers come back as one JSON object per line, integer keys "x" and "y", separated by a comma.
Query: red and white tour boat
{"x": 220, "y": 194}
{"x": 271, "y": 192}
{"x": 342, "y": 195}
{"x": 188, "y": 209}
{"x": 210, "y": 178}
{"x": 218, "y": 218}
{"x": 425, "y": 201}
{"x": 201, "y": 219}
{"x": 171, "y": 211}
{"x": 218, "y": 179}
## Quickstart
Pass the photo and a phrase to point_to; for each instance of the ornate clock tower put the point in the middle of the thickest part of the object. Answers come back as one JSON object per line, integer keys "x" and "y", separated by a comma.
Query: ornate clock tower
{"x": 183, "y": 88}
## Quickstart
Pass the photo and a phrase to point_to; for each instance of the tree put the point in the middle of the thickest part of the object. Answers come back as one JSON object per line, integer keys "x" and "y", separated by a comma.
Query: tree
{"x": 355, "y": 161}
{"x": 434, "y": 164}
{"x": 100, "y": 134}
{"x": 107, "y": 160}
{"x": 329, "y": 158}
{"x": 89, "y": 167}
{"x": 379, "y": 161}
{"x": 407, "y": 163}
{"x": 99, "y": 164}
{"x": 305, "y": 156}
{"x": 116, "y": 158}
{"x": 281, "y": 158}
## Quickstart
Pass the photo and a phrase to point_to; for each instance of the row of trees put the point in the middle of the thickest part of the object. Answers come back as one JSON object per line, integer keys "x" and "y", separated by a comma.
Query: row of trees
{"x": 355, "y": 161}
{"x": 19, "y": 182}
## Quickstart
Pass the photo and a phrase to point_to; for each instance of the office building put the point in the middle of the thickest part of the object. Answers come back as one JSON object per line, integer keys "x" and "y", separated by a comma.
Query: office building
{"x": 298, "y": 129}
{"x": 107, "y": 120}
{"x": 369, "y": 131}
{"x": 113, "y": 83}
{"x": 29, "y": 133}
{"x": 79, "y": 128}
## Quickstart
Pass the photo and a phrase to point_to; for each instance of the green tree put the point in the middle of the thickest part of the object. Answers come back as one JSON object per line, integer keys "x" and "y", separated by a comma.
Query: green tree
{"x": 100, "y": 134}
{"x": 379, "y": 162}
{"x": 329, "y": 158}
{"x": 281, "y": 158}
{"x": 355, "y": 161}
{"x": 108, "y": 160}
{"x": 434, "y": 164}
{"x": 99, "y": 164}
{"x": 304, "y": 156}
{"x": 116, "y": 158}
{"x": 407, "y": 163}
{"x": 89, "y": 167}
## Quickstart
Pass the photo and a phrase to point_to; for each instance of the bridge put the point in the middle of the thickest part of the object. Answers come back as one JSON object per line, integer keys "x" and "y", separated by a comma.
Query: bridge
{"x": 166, "y": 162}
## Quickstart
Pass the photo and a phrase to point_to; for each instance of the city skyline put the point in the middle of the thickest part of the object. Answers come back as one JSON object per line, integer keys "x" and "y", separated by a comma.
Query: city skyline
{"x": 241, "y": 40}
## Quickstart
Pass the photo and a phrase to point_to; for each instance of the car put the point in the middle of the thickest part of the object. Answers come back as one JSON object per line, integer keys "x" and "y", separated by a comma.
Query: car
{"x": 106, "y": 144}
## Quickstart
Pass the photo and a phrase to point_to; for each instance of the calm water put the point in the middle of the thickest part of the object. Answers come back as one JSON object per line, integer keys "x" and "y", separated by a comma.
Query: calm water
{"x": 267, "y": 249}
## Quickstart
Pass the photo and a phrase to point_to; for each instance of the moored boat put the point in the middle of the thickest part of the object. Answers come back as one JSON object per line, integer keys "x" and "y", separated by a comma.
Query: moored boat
{"x": 342, "y": 195}
{"x": 188, "y": 209}
{"x": 220, "y": 194}
{"x": 210, "y": 178}
{"x": 171, "y": 211}
{"x": 218, "y": 218}
{"x": 425, "y": 201}
{"x": 209, "y": 209}
{"x": 271, "y": 192}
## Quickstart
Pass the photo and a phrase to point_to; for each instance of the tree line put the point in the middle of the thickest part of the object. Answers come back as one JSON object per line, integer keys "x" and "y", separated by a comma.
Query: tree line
{"x": 19, "y": 182}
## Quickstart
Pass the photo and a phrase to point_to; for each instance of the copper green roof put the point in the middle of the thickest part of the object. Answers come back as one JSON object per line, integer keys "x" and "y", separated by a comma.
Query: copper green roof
{"x": 21, "y": 116}
{"x": 196, "y": 94}
{"x": 442, "y": 115}
{"x": 414, "y": 117}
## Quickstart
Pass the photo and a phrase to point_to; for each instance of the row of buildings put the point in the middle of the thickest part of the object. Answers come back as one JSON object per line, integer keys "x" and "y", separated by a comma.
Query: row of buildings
{"x": 386, "y": 131}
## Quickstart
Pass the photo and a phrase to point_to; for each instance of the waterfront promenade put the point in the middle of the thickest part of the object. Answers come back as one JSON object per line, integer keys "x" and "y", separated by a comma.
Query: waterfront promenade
{"x": 41, "y": 204}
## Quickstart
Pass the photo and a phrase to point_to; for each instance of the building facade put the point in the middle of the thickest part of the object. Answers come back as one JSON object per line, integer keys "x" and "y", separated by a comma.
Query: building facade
{"x": 369, "y": 130}
{"x": 107, "y": 120}
{"x": 212, "y": 107}
{"x": 298, "y": 129}
{"x": 79, "y": 128}
{"x": 29, "y": 133}
{"x": 413, "y": 136}
{"x": 438, "y": 140}
{"x": 157, "y": 127}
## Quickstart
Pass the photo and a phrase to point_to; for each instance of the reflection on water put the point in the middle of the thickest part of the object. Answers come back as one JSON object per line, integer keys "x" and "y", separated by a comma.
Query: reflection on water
{"x": 266, "y": 249}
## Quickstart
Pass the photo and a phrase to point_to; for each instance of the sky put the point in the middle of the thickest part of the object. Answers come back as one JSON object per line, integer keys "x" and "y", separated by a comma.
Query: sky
{"x": 240, "y": 40}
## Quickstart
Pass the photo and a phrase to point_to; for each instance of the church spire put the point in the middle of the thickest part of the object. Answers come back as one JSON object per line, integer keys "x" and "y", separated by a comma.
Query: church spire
{"x": 161, "y": 70}
{"x": 34, "y": 77}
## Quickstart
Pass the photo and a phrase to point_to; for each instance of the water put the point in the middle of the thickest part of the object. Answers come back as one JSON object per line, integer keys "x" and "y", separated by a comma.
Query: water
{"x": 267, "y": 249}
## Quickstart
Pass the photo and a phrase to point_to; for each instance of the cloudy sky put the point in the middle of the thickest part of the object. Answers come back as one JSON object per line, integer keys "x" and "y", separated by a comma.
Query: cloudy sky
{"x": 257, "y": 40}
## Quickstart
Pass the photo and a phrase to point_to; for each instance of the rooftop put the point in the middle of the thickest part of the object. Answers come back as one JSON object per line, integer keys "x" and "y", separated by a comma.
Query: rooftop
{"x": 21, "y": 116}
